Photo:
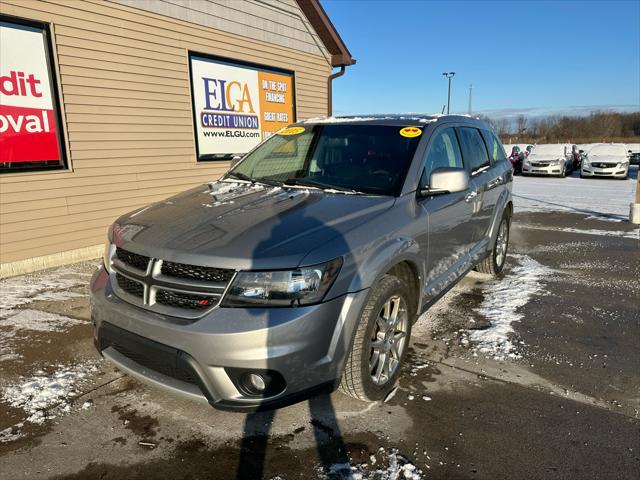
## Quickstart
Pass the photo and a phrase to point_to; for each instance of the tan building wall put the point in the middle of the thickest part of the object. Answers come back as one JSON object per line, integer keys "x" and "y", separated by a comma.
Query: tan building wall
{"x": 118, "y": 67}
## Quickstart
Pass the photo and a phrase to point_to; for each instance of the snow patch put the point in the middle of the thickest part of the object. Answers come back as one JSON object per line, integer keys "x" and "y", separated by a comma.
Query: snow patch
{"x": 502, "y": 302}
{"x": 46, "y": 396}
{"x": 342, "y": 119}
{"x": 28, "y": 320}
{"x": 634, "y": 234}
{"x": 11, "y": 434}
{"x": 38, "y": 321}
{"x": 392, "y": 466}
{"x": 54, "y": 285}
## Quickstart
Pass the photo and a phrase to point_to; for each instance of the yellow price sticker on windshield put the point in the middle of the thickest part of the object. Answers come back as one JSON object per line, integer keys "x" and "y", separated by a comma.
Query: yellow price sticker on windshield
{"x": 291, "y": 131}
{"x": 411, "y": 132}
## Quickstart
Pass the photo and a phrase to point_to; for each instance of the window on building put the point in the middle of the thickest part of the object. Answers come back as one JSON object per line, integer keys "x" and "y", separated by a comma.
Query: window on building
{"x": 30, "y": 132}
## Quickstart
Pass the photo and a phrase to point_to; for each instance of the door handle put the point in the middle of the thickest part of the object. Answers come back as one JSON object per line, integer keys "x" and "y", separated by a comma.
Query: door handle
{"x": 494, "y": 183}
{"x": 470, "y": 196}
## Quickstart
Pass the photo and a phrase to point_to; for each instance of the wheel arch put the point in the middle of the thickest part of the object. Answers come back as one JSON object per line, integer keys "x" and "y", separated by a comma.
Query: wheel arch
{"x": 407, "y": 272}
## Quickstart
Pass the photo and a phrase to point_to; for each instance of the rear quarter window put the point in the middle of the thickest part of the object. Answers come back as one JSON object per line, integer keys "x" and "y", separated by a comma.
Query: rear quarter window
{"x": 474, "y": 150}
{"x": 494, "y": 147}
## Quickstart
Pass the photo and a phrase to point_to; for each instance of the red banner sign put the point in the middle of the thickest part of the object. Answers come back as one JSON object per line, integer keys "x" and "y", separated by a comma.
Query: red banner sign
{"x": 28, "y": 129}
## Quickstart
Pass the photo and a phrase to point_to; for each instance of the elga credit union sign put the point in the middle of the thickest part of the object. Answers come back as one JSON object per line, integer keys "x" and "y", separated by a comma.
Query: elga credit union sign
{"x": 28, "y": 117}
{"x": 237, "y": 106}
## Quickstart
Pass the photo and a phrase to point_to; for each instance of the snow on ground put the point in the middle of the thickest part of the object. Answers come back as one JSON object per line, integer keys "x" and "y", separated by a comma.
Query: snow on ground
{"x": 503, "y": 300}
{"x": 18, "y": 292}
{"x": 605, "y": 199}
{"x": 46, "y": 396}
{"x": 51, "y": 285}
{"x": 14, "y": 328}
{"x": 635, "y": 233}
{"x": 386, "y": 465}
{"x": 39, "y": 321}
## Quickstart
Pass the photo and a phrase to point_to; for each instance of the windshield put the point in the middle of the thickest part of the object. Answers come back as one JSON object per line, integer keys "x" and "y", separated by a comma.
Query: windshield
{"x": 371, "y": 159}
{"x": 608, "y": 150}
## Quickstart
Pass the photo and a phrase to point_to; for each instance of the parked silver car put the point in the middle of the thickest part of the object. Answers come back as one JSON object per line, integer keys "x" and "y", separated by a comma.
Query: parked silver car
{"x": 306, "y": 265}
{"x": 549, "y": 159}
{"x": 606, "y": 160}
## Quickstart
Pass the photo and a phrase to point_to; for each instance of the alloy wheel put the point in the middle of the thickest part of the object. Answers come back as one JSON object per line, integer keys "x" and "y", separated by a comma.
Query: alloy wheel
{"x": 501, "y": 243}
{"x": 389, "y": 340}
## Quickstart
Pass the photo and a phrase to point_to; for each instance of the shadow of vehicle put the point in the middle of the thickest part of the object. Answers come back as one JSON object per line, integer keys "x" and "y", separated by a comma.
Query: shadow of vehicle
{"x": 258, "y": 424}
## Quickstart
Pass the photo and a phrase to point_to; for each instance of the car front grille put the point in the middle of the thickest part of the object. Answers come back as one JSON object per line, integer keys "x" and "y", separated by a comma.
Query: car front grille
{"x": 186, "y": 300}
{"x": 169, "y": 288}
{"x": 603, "y": 165}
{"x": 132, "y": 259}
{"x": 539, "y": 164}
{"x": 195, "y": 272}
{"x": 132, "y": 287}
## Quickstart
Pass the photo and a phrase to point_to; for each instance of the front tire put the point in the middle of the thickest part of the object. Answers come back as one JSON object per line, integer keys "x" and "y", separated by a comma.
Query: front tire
{"x": 494, "y": 263}
{"x": 381, "y": 341}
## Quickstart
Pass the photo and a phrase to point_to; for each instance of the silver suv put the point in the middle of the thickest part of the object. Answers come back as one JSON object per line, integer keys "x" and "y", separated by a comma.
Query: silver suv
{"x": 306, "y": 265}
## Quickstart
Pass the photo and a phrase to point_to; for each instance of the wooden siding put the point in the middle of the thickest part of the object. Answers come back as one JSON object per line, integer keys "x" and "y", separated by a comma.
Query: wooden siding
{"x": 118, "y": 67}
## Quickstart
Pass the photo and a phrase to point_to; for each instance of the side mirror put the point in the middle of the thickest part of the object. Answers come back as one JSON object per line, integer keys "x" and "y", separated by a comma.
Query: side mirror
{"x": 446, "y": 180}
{"x": 234, "y": 161}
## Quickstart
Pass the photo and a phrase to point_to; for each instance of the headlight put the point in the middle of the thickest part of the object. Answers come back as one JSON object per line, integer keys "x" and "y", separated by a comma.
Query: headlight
{"x": 283, "y": 288}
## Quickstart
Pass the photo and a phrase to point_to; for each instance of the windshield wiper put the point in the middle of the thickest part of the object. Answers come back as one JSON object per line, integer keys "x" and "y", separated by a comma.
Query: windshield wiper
{"x": 247, "y": 178}
{"x": 307, "y": 182}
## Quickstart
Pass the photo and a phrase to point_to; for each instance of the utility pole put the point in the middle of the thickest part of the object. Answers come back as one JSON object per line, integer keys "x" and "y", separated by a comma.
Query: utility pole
{"x": 470, "y": 96}
{"x": 449, "y": 76}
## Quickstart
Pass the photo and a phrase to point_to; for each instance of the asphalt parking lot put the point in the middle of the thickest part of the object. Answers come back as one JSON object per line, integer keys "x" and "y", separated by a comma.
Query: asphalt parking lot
{"x": 534, "y": 375}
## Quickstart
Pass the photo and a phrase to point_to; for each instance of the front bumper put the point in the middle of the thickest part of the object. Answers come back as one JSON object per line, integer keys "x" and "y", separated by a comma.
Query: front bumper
{"x": 304, "y": 346}
{"x": 614, "y": 172}
{"x": 553, "y": 169}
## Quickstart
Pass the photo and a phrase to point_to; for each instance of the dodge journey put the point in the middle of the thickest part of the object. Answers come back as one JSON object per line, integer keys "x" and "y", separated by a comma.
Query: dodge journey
{"x": 305, "y": 266}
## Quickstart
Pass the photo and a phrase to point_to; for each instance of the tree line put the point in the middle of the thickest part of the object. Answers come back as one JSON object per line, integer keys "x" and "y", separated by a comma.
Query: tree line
{"x": 596, "y": 127}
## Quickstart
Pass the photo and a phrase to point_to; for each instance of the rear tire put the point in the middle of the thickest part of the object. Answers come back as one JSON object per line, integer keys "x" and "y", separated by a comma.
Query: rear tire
{"x": 390, "y": 339}
{"x": 494, "y": 263}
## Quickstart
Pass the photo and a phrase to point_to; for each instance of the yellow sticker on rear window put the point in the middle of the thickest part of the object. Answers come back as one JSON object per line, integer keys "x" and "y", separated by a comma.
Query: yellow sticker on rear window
{"x": 410, "y": 132}
{"x": 291, "y": 131}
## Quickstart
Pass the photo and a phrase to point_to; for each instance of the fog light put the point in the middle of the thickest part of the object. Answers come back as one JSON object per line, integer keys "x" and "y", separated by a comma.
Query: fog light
{"x": 258, "y": 382}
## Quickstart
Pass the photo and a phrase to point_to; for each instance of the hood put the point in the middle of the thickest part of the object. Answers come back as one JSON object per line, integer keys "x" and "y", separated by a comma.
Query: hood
{"x": 244, "y": 226}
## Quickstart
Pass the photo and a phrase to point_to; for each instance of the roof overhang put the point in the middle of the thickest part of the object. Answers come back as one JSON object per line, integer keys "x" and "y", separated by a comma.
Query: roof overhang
{"x": 327, "y": 32}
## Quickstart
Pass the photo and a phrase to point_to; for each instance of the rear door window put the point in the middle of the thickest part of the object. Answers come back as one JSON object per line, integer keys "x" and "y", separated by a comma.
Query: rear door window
{"x": 444, "y": 151}
{"x": 494, "y": 147}
{"x": 474, "y": 151}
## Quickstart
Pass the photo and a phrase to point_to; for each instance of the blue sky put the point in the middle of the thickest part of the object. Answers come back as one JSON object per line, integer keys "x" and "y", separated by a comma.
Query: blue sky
{"x": 535, "y": 56}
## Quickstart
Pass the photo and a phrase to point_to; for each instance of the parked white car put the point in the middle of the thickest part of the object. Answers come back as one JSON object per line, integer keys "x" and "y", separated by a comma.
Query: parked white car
{"x": 549, "y": 159}
{"x": 606, "y": 160}
{"x": 633, "y": 152}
